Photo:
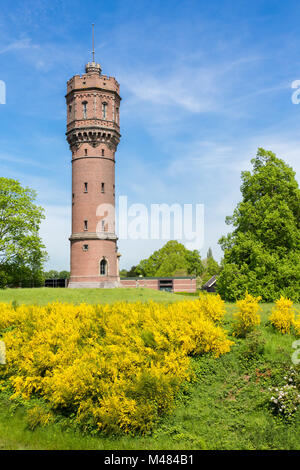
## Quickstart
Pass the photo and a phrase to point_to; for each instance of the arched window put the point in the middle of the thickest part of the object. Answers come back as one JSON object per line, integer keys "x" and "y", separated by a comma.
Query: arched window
{"x": 103, "y": 267}
{"x": 84, "y": 109}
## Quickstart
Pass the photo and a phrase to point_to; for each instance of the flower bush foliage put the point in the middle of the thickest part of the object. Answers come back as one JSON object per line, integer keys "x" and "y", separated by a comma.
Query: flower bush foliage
{"x": 285, "y": 400}
{"x": 247, "y": 317}
{"x": 112, "y": 367}
{"x": 283, "y": 315}
{"x": 212, "y": 306}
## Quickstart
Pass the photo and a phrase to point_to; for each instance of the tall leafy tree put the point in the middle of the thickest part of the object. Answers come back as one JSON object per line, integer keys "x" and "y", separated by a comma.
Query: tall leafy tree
{"x": 262, "y": 254}
{"x": 21, "y": 248}
{"x": 64, "y": 274}
{"x": 211, "y": 267}
{"x": 171, "y": 259}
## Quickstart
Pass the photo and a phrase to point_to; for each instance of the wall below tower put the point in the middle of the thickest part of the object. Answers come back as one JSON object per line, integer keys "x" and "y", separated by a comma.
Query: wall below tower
{"x": 85, "y": 265}
{"x": 179, "y": 284}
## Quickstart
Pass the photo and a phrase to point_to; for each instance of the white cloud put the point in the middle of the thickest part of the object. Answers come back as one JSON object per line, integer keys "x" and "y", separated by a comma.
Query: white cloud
{"x": 18, "y": 45}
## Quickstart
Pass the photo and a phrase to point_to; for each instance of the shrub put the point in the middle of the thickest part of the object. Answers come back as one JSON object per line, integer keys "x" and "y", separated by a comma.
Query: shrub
{"x": 111, "y": 367}
{"x": 38, "y": 416}
{"x": 246, "y": 318}
{"x": 285, "y": 400}
{"x": 283, "y": 315}
{"x": 212, "y": 306}
{"x": 253, "y": 346}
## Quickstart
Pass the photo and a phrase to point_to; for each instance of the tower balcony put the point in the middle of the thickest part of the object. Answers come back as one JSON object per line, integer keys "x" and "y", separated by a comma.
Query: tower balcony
{"x": 93, "y": 135}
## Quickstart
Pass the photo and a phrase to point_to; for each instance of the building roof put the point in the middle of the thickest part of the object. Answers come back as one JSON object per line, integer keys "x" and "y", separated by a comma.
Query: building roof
{"x": 210, "y": 282}
{"x": 160, "y": 277}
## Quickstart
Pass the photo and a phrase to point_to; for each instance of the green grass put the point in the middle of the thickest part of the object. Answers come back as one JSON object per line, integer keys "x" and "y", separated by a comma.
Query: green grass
{"x": 44, "y": 295}
{"x": 227, "y": 407}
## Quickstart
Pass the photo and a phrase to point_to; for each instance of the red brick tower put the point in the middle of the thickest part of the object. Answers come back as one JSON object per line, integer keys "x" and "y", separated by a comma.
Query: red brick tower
{"x": 93, "y": 133}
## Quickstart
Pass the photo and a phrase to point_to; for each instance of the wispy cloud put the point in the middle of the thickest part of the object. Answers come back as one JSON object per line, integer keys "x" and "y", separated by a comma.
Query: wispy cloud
{"x": 19, "y": 45}
{"x": 195, "y": 89}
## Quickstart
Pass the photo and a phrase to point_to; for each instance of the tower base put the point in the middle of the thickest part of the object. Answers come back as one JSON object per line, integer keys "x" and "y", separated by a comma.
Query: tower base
{"x": 94, "y": 285}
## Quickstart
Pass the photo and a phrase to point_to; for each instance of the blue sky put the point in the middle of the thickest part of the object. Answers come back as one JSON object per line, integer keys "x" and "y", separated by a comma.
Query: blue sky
{"x": 203, "y": 85}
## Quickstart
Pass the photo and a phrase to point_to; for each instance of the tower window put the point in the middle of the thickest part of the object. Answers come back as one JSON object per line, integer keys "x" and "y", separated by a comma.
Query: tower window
{"x": 85, "y": 187}
{"x": 70, "y": 108}
{"x": 117, "y": 115}
{"x": 84, "y": 104}
{"x": 102, "y": 188}
{"x": 85, "y": 247}
{"x": 103, "y": 225}
{"x": 85, "y": 224}
{"x": 102, "y": 152}
{"x": 104, "y": 109}
{"x": 103, "y": 267}
{"x": 85, "y": 151}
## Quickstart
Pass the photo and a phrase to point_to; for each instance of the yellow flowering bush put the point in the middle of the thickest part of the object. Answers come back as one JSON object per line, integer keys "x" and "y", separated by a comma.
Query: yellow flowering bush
{"x": 247, "y": 317}
{"x": 283, "y": 315}
{"x": 113, "y": 367}
{"x": 212, "y": 306}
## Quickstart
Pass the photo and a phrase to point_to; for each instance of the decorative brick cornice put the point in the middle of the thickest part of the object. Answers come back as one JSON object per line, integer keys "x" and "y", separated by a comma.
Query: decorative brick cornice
{"x": 93, "y": 136}
{"x": 93, "y": 236}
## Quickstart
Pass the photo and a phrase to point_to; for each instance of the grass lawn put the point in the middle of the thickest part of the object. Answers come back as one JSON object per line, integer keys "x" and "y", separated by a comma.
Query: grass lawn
{"x": 227, "y": 407}
{"x": 44, "y": 295}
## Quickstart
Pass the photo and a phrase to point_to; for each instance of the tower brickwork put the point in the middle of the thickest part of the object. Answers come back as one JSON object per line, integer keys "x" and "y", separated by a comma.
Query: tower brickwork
{"x": 93, "y": 134}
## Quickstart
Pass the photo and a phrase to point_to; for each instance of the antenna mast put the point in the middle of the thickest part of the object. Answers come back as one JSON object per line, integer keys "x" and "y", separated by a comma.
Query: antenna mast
{"x": 93, "y": 42}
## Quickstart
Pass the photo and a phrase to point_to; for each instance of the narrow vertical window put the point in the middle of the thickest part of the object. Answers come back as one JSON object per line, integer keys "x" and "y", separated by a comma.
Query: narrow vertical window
{"x": 85, "y": 151}
{"x": 84, "y": 104}
{"x": 85, "y": 224}
{"x": 117, "y": 115}
{"x": 102, "y": 152}
{"x": 85, "y": 187}
{"x": 104, "y": 109}
{"x": 103, "y": 267}
{"x": 102, "y": 188}
{"x": 103, "y": 225}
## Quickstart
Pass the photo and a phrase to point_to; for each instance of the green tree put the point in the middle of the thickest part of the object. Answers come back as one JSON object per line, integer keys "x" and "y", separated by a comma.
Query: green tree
{"x": 211, "y": 267}
{"x": 171, "y": 259}
{"x": 262, "y": 254}
{"x": 52, "y": 274}
{"x": 64, "y": 275}
{"x": 132, "y": 272}
{"x": 21, "y": 249}
{"x": 123, "y": 273}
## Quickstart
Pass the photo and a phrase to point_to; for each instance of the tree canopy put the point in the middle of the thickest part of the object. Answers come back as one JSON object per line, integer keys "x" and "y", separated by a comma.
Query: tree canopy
{"x": 22, "y": 252}
{"x": 210, "y": 266}
{"x": 262, "y": 254}
{"x": 171, "y": 260}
